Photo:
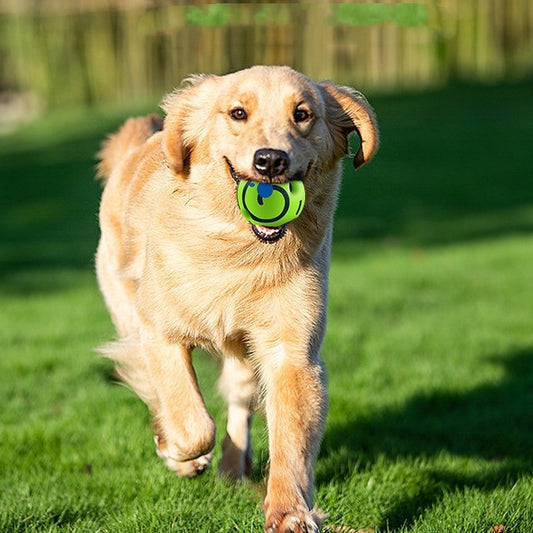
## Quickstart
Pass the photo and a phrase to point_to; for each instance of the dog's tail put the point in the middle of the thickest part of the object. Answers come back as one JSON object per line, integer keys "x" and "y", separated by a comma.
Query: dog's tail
{"x": 132, "y": 369}
{"x": 132, "y": 134}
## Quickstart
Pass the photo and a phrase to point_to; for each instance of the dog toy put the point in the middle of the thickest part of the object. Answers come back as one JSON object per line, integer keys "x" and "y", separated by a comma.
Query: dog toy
{"x": 270, "y": 204}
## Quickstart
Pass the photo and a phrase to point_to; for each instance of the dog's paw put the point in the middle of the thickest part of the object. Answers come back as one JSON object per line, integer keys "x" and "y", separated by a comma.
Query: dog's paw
{"x": 191, "y": 468}
{"x": 297, "y": 521}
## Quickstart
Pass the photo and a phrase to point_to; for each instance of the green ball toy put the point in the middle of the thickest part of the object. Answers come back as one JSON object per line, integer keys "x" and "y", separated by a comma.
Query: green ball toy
{"x": 270, "y": 204}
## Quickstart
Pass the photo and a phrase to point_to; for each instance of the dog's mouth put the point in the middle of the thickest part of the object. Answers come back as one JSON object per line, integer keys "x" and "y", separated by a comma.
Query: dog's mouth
{"x": 270, "y": 235}
{"x": 263, "y": 233}
{"x": 236, "y": 177}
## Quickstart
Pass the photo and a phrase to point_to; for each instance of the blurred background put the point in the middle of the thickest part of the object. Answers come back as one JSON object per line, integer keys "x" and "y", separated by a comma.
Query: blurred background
{"x": 71, "y": 52}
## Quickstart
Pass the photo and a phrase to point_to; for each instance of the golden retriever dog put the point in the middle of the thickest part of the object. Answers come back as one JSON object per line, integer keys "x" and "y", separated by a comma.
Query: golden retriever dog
{"x": 180, "y": 267}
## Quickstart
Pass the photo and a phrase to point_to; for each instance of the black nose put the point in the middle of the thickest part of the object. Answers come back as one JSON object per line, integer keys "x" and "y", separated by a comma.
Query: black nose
{"x": 269, "y": 162}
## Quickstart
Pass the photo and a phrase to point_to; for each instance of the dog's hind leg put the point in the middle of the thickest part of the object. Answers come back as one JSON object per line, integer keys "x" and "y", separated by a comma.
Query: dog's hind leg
{"x": 184, "y": 430}
{"x": 238, "y": 385}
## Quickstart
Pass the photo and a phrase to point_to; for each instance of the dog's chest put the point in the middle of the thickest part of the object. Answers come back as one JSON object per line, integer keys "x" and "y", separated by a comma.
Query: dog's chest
{"x": 211, "y": 306}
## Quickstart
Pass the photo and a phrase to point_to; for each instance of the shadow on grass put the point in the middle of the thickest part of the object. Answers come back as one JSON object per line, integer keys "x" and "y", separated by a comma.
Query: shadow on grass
{"x": 49, "y": 201}
{"x": 49, "y": 206}
{"x": 492, "y": 422}
{"x": 453, "y": 166}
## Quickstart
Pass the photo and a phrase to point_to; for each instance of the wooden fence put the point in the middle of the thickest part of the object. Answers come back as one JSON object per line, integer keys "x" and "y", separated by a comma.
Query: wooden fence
{"x": 106, "y": 51}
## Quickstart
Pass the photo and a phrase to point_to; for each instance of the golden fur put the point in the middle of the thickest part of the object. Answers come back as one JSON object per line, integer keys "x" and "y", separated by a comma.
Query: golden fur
{"x": 179, "y": 268}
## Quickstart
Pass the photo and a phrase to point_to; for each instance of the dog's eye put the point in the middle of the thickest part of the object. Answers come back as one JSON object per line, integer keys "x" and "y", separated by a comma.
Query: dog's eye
{"x": 301, "y": 115}
{"x": 238, "y": 114}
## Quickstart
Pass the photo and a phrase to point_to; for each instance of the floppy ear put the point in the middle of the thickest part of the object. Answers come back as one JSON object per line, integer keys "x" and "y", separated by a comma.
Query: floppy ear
{"x": 348, "y": 110}
{"x": 172, "y": 142}
{"x": 178, "y": 106}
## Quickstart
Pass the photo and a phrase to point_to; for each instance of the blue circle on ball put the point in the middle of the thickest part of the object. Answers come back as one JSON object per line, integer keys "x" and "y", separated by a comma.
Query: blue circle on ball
{"x": 265, "y": 190}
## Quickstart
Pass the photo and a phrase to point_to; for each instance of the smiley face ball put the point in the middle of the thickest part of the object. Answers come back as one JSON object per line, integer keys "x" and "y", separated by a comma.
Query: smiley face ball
{"x": 270, "y": 204}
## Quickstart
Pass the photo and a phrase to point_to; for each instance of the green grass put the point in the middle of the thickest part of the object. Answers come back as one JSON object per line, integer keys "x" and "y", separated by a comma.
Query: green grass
{"x": 429, "y": 346}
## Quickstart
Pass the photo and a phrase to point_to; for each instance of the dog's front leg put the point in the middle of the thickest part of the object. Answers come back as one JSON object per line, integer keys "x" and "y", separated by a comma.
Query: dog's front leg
{"x": 184, "y": 430}
{"x": 296, "y": 406}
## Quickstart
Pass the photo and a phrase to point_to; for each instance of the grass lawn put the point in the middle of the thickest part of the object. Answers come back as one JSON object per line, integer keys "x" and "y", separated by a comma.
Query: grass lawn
{"x": 429, "y": 346}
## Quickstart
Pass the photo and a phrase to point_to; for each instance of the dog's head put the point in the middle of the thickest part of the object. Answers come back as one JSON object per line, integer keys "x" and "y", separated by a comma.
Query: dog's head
{"x": 265, "y": 124}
